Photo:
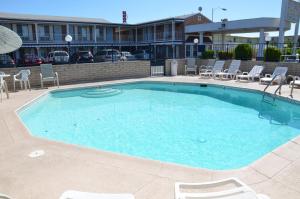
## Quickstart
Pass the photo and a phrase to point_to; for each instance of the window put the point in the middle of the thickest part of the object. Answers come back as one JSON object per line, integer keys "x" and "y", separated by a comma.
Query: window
{"x": 100, "y": 33}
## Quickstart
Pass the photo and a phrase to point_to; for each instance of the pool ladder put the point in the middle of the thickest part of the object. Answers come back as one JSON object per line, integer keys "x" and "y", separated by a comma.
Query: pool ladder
{"x": 275, "y": 93}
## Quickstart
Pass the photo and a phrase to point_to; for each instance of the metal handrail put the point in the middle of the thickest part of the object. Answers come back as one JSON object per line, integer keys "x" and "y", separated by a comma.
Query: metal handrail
{"x": 293, "y": 86}
{"x": 278, "y": 89}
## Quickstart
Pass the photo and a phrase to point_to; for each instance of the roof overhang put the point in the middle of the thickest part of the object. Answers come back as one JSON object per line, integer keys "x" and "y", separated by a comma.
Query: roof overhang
{"x": 238, "y": 26}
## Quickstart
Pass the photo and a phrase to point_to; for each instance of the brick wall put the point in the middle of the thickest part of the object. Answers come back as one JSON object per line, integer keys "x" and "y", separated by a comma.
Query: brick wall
{"x": 90, "y": 72}
{"x": 246, "y": 66}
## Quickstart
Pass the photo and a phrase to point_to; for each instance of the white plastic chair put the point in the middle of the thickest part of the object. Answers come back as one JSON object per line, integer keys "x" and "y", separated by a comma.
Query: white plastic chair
{"x": 254, "y": 73}
{"x": 87, "y": 195}
{"x": 23, "y": 77}
{"x": 191, "y": 66}
{"x": 3, "y": 86}
{"x": 232, "y": 71}
{"x": 279, "y": 74}
{"x": 295, "y": 82}
{"x": 241, "y": 190}
{"x": 48, "y": 75}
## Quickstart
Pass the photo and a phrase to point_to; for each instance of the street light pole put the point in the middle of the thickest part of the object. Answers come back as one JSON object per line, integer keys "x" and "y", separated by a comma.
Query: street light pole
{"x": 213, "y": 10}
{"x": 69, "y": 39}
{"x": 268, "y": 38}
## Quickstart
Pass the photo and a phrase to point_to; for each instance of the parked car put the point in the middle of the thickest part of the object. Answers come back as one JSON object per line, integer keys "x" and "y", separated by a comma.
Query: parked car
{"x": 6, "y": 61}
{"x": 31, "y": 60}
{"x": 107, "y": 55}
{"x": 58, "y": 57}
{"x": 141, "y": 54}
{"x": 82, "y": 57}
{"x": 126, "y": 56}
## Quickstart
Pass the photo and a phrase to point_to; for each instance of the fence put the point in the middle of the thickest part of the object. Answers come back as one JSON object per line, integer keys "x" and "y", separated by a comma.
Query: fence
{"x": 229, "y": 47}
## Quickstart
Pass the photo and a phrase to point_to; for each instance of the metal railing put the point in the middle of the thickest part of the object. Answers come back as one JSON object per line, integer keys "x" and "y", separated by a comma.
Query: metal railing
{"x": 278, "y": 89}
{"x": 292, "y": 85}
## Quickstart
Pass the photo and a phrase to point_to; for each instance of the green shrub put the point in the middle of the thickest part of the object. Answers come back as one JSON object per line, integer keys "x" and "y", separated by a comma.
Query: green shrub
{"x": 243, "y": 52}
{"x": 209, "y": 54}
{"x": 223, "y": 55}
{"x": 298, "y": 51}
{"x": 288, "y": 51}
{"x": 272, "y": 54}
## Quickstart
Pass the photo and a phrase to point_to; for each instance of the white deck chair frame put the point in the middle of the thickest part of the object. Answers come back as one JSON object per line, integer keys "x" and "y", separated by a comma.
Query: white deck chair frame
{"x": 191, "y": 66}
{"x": 217, "y": 68}
{"x": 208, "y": 66}
{"x": 279, "y": 74}
{"x": 86, "y": 195}
{"x": 231, "y": 72}
{"x": 3, "y": 196}
{"x": 48, "y": 75}
{"x": 23, "y": 77}
{"x": 241, "y": 188}
{"x": 296, "y": 81}
{"x": 254, "y": 73}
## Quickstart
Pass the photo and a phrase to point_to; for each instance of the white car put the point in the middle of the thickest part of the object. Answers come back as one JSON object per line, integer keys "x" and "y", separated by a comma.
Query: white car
{"x": 58, "y": 57}
{"x": 126, "y": 56}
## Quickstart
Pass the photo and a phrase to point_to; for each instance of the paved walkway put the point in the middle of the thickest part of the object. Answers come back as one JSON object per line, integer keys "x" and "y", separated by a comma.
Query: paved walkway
{"x": 66, "y": 166}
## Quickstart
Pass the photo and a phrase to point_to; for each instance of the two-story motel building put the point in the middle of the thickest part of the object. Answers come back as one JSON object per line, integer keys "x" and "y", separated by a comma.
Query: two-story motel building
{"x": 41, "y": 34}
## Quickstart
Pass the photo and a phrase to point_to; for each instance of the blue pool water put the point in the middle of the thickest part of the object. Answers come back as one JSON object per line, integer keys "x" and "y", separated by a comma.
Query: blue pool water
{"x": 209, "y": 127}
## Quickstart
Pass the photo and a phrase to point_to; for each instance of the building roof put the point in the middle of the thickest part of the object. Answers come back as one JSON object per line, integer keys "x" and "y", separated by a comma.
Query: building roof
{"x": 47, "y": 18}
{"x": 181, "y": 17}
{"x": 239, "y": 26}
{"x": 30, "y": 17}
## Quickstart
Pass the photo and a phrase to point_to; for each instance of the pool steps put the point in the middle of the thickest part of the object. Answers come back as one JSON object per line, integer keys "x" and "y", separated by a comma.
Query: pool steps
{"x": 101, "y": 92}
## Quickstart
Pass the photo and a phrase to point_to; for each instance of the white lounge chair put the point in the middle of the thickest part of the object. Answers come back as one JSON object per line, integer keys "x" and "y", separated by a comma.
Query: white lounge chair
{"x": 231, "y": 72}
{"x": 48, "y": 75}
{"x": 87, "y": 195}
{"x": 3, "y": 196}
{"x": 217, "y": 68}
{"x": 254, "y": 73}
{"x": 191, "y": 65}
{"x": 278, "y": 76}
{"x": 241, "y": 190}
{"x": 209, "y": 65}
{"x": 23, "y": 77}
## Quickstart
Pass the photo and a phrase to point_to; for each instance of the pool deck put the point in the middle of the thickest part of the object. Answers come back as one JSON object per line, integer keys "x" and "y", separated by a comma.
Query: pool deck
{"x": 65, "y": 166}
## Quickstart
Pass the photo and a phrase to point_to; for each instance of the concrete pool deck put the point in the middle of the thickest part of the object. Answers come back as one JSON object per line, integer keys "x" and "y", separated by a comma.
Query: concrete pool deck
{"x": 65, "y": 166}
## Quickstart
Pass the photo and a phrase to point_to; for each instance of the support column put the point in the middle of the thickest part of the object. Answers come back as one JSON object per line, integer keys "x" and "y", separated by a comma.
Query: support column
{"x": 284, "y": 10}
{"x": 201, "y": 36}
{"x": 260, "y": 52}
{"x": 296, "y": 38}
{"x": 136, "y": 37}
{"x": 154, "y": 39}
{"x": 173, "y": 40}
{"x": 38, "y": 51}
{"x": 95, "y": 33}
{"x": 76, "y": 32}
{"x": 104, "y": 33}
{"x": 154, "y": 36}
{"x": 36, "y": 33}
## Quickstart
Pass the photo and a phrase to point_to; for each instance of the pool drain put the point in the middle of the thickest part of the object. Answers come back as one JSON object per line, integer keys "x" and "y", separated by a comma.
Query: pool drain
{"x": 37, "y": 153}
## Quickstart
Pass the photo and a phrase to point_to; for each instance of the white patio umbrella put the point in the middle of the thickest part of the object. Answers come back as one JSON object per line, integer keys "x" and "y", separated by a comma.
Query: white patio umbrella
{"x": 9, "y": 40}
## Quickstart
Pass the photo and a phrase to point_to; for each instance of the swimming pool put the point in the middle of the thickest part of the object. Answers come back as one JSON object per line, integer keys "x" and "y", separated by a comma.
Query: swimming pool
{"x": 204, "y": 126}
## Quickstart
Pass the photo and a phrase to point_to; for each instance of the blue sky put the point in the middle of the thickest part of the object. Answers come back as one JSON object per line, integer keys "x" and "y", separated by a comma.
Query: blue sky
{"x": 144, "y": 10}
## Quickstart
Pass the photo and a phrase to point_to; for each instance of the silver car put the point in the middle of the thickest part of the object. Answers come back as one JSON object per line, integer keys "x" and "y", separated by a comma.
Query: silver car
{"x": 107, "y": 55}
